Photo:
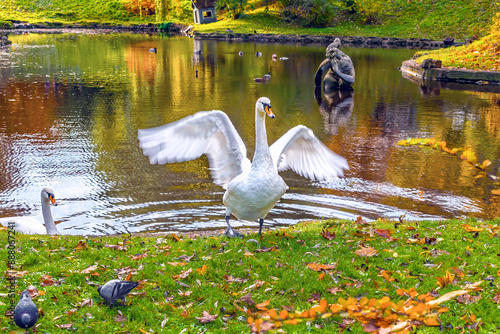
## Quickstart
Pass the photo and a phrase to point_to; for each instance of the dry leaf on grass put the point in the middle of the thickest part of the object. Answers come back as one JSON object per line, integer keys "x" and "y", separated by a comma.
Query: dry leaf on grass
{"x": 327, "y": 234}
{"x": 247, "y": 299}
{"x": 319, "y": 266}
{"x": 366, "y": 251}
{"x": 206, "y": 317}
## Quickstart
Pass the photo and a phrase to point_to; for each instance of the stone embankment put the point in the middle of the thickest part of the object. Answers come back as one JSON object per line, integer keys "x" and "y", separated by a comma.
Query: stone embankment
{"x": 4, "y": 40}
{"x": 379, "y": 42}
{"x": 432, "y": 70}
{"x": 382, "y": 42}
{"x": 57, "y": 27}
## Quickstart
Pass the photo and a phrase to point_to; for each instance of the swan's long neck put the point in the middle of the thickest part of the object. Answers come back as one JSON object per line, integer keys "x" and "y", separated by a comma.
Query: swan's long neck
{"x": 47, "y": 217}
{"x": 262, "y": 155}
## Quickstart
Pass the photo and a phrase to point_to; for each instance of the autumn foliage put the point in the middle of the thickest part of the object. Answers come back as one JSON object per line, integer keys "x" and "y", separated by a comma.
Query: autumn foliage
{"x": 141, "y": 7}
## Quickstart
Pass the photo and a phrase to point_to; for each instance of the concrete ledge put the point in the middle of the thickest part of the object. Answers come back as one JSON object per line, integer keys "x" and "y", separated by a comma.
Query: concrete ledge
{"x": 412, "y": 69}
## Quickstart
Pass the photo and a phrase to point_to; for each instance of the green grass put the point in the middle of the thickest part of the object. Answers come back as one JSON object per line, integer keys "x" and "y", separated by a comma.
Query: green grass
{"x": 482, "y": 54}
{"x": 432, "y": 19}
{"x": 414, "y": 257}
{"x": 404, "y": 19}
{"x": 70, "y": 11}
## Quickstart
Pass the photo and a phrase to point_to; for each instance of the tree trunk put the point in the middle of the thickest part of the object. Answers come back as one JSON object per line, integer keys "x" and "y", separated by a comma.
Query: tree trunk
{"x": 160, "y": 10}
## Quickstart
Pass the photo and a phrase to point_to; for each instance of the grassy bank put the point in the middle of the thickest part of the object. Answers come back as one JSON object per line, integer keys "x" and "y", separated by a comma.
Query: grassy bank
{"x": 313, "y": 277}
{"x": 482, "y": 54}
{"x": 460, "y": 19}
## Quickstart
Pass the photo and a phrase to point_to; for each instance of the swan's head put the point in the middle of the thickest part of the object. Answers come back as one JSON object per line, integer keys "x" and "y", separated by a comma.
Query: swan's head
{"x": 263, "y": 105}
{"x": 48, "y": 194}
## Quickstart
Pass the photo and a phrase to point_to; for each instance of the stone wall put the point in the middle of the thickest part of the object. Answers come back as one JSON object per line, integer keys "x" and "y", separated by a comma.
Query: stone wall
{"x": 4, "y": 40}
{"x": 383, "y": 42}
{"x": 412, "y": 68}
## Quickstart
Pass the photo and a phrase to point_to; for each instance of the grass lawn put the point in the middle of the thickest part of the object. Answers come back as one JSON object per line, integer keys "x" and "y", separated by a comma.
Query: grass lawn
{"x": 482, "y": 54}
{"x": 432, "y": 19}
{"x": 331, "y": 275}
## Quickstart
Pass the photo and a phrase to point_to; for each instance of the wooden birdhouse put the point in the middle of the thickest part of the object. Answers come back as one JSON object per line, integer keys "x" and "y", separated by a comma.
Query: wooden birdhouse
{"x": 203, "y": 11}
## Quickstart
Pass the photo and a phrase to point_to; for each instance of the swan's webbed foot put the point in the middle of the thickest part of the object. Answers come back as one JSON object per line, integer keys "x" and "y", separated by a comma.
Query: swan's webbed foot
{"x": 230, "y": 232}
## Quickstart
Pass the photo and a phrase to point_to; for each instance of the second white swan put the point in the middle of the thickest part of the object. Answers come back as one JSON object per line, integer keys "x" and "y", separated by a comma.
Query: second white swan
{"x": 252, "y": 188}
{"x": 30, "y": 225}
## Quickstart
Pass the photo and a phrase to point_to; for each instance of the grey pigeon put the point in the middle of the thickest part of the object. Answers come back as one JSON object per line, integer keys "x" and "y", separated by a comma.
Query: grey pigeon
{"x": 116, "y": 289}
{"x": 25, "y": 313}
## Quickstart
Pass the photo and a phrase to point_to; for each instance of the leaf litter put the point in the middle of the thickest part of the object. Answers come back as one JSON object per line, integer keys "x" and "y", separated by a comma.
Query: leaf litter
{"x": 433, "y": 267}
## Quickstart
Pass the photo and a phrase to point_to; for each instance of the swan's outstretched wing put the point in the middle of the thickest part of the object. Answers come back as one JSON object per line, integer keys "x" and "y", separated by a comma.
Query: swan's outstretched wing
{"x": 206, "y": 132}
{"x": 301, "y": 151}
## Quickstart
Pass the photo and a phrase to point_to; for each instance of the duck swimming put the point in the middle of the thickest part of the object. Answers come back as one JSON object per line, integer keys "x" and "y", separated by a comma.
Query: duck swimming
{"x": 264, "y": 79}
{"x": 252, "y": 188}
{"x": 30, "y": 225}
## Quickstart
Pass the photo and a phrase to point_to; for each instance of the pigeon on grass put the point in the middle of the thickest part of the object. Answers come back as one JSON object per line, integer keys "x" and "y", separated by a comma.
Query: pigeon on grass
{"x": 25, "y": 313}
{"x": 116, "y": 289}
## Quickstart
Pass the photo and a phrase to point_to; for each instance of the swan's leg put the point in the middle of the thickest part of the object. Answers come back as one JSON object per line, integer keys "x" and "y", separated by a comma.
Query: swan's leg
{"x": 261, "y": 223}
{"x": 230, "y": 232}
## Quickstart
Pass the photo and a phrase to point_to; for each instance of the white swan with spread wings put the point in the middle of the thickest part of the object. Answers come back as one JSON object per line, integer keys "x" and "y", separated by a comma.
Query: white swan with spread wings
{"x": 252, "y": 188}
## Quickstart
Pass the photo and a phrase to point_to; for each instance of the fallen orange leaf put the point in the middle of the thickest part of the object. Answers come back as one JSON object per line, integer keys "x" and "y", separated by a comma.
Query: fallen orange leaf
{"x": 202, "y": 270}
{"x": 366, "y": 251}
{"x": 471, "y": 229}
{"x": 319, "y": 267}
{"x": 262, "y": 306}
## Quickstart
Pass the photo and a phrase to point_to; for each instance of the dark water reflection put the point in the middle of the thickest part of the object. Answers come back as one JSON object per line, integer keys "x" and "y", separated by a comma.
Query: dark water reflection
{"x": 70, "y": 107}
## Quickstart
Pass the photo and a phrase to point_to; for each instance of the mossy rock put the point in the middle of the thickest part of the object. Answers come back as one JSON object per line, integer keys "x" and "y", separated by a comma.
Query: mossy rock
{"x": 6, "y": 25}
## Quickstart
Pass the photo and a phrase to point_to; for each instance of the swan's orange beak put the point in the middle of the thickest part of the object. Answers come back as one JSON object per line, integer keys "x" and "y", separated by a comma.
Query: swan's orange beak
{"x": 52, "y": 199}
{"x": 268, "y": 111}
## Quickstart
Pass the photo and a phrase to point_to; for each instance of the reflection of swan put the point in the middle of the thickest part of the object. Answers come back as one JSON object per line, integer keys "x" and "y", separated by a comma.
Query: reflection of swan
{"x": 252, "y": 189}
{"x": 30, "y": 225}
{"x": 336, "y": 108}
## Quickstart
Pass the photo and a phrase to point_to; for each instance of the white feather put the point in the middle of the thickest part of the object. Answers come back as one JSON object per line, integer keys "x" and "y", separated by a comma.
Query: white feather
{"x": 301, "y": 151}
{"x": 206, "y": 132}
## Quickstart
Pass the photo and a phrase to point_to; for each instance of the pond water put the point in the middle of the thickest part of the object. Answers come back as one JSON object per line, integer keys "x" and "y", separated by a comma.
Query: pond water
{"x": 71, "y": 105}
